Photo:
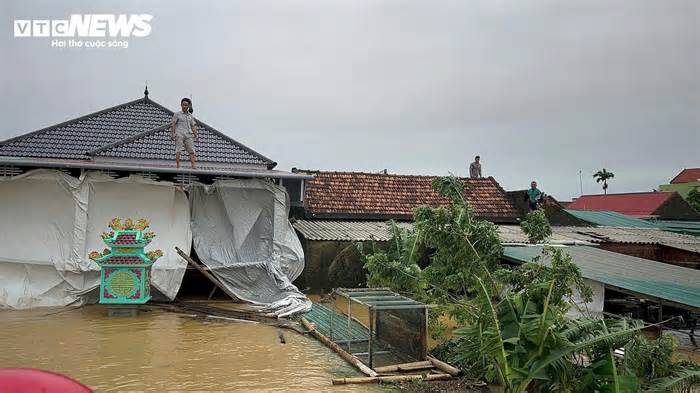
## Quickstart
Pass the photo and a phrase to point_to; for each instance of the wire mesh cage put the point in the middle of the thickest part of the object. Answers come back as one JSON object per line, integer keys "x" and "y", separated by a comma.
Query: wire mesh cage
{"x": 376, "y": 325}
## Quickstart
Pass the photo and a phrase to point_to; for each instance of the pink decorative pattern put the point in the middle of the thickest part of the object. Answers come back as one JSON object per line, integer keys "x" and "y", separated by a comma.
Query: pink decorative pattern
{"x": 125, "y": 239}
{"x": 108, "y": 272}
{"x": 127, "y": 260}
{"x": 107, "y": 295}
{"x": 136, "y": 295}
{"x": 137, "y": 272}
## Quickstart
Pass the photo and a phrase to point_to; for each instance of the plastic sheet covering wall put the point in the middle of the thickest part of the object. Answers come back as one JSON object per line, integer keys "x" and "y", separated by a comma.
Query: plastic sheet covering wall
{"x": 242, "y": 233}
{"x": 50, "y": 221}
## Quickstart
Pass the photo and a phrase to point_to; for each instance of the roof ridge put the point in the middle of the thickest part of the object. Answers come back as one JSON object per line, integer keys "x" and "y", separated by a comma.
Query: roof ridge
{"x": 627, "y": 193}
{"x": 489, "y": 178}
{"x": 126, "y": 140}
{"x": 70, "y": 121}
{"x": 271, "y": 164}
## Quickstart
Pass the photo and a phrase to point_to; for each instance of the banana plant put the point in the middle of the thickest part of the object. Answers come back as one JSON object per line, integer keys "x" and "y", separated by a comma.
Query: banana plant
{"x": 529, "y": 346}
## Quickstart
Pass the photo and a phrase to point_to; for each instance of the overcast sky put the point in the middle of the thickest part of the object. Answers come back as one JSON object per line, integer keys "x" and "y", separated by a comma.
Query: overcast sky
{"x": 540, "y": 89}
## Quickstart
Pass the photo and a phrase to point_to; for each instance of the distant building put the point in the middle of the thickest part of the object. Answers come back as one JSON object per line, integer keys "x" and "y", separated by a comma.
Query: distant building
{"x": 335, "y": 209}
{"x": 645, "y": 205}
{"x": 687, "y": 180}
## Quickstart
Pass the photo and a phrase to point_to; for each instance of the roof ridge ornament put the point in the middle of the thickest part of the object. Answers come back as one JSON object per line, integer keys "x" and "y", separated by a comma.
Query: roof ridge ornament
{"x": 145, "y": 92}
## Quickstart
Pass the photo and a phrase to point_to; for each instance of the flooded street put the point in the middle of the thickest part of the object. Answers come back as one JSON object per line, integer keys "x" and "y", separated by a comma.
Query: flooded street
{"x": 161, "y": 351}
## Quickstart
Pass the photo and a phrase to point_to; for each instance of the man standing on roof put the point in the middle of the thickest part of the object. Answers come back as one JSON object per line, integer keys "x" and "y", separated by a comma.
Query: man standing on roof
{"x": 534, "y": 196}
{"x": 183, "y": 131}
{"x": 475, "y": 168}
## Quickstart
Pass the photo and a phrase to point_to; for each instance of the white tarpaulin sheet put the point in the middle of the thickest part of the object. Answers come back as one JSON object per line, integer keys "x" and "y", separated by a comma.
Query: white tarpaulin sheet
{"x": 50, "y": 221}
{"x": 241, "y": 232}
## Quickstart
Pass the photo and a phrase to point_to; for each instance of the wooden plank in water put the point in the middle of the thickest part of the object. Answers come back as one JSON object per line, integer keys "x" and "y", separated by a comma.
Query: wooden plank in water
{"x": 454, "y": 371}
{"x": 208, "y": 275}
{"x": 426, "y": 364}
{"x": 337, "y": 349}
{"x": 391, "y": 378}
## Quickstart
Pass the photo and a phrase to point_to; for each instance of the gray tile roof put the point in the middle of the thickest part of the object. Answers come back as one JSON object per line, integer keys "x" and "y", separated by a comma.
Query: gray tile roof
{"x": 136, "y": 129}
{"x": 211, "y": 146}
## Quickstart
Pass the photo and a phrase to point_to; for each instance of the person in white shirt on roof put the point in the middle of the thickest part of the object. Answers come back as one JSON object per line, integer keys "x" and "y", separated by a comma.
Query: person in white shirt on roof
{"x": 183, "y": 131}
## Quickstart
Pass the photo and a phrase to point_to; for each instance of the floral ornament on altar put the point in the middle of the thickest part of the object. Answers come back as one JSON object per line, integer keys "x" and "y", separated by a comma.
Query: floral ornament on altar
{"x": 116, "y": 225}
{"x": 128, "y": 224}
{"x": 153, "y": 255}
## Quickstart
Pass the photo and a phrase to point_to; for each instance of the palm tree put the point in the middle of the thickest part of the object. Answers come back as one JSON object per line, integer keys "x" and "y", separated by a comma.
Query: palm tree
{"x": 603, "y": 176}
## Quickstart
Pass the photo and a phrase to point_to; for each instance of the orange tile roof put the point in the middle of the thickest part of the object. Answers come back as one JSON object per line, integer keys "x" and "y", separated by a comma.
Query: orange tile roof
{"x": 379, "y": 196}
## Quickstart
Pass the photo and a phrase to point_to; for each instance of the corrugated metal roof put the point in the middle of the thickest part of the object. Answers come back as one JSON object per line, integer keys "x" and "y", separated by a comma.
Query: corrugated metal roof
{"x": 346, "y": 230}
{"x": 649, "y": 278}
{"x": 692, "y": 227}
{"x": 636, "y": 204}
{"x": 687, "y": 175}
{"x": 610, "y": 219}
{"x": 378, "y": 230}
{"x": 613, "y": 219}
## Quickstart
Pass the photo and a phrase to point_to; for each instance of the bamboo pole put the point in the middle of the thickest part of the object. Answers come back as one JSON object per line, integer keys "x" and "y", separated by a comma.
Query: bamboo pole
{"x": 405, "y": 367}
{"x": 391, "y": 378}
{"x": 337, "y": 349}
{"x": 453, "y": 371}
{"x": 206, "y": 274}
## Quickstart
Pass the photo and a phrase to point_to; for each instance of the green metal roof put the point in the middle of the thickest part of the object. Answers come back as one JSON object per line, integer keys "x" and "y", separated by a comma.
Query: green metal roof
{"x": 614, "y": 219}
{"x": 379, "y": 298}
{"x": 610, "y": 219}
{"x": 656, "y": 280}
{"x": 689, "y": 227}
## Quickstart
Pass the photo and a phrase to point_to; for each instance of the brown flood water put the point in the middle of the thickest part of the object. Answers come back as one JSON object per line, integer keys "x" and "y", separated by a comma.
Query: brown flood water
{"x": 161, "y": 351}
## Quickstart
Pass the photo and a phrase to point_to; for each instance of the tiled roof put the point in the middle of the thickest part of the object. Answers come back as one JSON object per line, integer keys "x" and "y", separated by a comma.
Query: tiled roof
{"x": 136, "y": 129}
{"x": 639, "y": 204}
{"x": 211, "y": 146}
{"x": 379, "y": 196}
{"x": 687, "y": 175}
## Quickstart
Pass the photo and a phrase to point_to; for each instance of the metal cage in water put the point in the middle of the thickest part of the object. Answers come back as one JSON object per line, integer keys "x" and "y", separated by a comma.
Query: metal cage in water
{"x": 396, "y": 326}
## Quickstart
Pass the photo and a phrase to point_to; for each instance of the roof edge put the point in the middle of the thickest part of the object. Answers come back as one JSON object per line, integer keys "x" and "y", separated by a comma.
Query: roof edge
{"x": 311, "y": 215}
{"x": 317, "y": 171}
{"x": 681, "y": 173}
{"x": 59, "y": 163}
{"x": 45, "y": 129}
{"x": 271, "y": 164}
{"x": 626, "y": 193}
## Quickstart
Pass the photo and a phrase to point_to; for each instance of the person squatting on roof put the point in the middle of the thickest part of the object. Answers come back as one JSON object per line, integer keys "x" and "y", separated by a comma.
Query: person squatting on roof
{"x": 534, "y": 196}
{"x": 475, "y": 168}
{"x": 183, "y": 131}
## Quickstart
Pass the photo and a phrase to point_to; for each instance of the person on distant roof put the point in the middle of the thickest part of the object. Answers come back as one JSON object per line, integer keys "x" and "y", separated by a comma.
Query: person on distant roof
{"x": 475, "y": 168}
{"x": 183, "y": 131}
{"x": 534, "y": 196}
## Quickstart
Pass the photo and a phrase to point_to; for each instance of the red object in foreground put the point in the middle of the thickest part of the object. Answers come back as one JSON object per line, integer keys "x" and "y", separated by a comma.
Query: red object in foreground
{"x": 31, "y": 380}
